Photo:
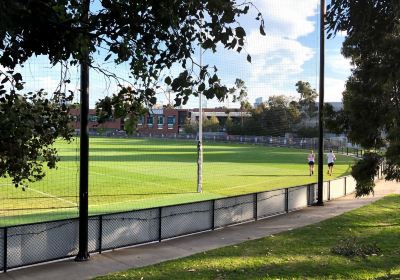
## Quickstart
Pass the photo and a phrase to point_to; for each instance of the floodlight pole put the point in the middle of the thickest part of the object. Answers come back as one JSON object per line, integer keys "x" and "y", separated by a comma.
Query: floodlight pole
{"x": 83, "y": 254}
{"x": 200, "y": 140}
{"x": 320, "y": 199}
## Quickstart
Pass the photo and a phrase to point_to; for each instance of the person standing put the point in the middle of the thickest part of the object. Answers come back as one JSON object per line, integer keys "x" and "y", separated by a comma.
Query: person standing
{"x": 331, "y": 160}
{"x": 311, "y": 162}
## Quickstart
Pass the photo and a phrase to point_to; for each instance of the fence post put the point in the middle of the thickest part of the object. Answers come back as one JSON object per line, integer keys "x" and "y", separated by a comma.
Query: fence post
{"x": 287, "y": 200}
{"x": 347, "y": 151}
{"x": 329, "y": 190}
{"x": 213, "y": 215}
{"x": 159, "y": 224}
{"x": 5, "y": 250}
{"x": 100, "y": 233}
{"x": 255, "y": 214}
{"x": 345, "y": 185}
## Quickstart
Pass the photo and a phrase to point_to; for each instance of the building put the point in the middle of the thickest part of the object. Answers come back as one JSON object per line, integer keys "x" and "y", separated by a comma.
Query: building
{"x": 158, "y": 120}
{"x": 171, "y": 121}
{"x": 161, "y": 121}
{"x": 111, "y": 125}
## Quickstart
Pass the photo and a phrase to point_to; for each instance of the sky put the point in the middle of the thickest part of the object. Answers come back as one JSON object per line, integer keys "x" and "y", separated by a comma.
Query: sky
{"x": 288, "y": 53}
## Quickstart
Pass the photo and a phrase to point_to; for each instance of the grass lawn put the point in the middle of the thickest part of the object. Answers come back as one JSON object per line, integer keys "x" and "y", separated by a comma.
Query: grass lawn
{"x": 303, "y": 253}
{"x": 128, "y": 174}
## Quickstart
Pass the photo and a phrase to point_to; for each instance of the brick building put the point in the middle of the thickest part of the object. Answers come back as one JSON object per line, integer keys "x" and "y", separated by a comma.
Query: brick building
{"x": 111, "y": 125}
{"x": 157, "y": 121}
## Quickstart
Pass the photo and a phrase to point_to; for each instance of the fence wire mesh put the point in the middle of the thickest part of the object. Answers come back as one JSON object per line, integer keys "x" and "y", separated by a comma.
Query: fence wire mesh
{"x": 255, "y": 140}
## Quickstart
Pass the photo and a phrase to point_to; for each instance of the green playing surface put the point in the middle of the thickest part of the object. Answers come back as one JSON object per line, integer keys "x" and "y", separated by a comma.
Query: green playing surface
{"x": 128, "y": 174}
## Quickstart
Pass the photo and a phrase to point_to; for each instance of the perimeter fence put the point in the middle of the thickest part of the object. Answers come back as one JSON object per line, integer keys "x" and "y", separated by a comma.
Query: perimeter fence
{"x": 42, "y": 242}
{"x": 337, "y": 145}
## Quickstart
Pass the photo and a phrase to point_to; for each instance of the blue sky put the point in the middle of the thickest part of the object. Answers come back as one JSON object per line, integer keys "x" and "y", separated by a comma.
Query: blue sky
{"x": 289, "y": 53}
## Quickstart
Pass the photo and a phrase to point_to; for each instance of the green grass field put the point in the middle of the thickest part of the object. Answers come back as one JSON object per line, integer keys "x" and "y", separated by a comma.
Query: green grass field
{"x": 130, "y": 174}
{"x": 304, "y": 253}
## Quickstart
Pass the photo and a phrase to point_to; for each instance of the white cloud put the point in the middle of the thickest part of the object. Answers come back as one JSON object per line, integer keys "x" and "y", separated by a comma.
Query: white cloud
{"x": 288, "y": 18}
{"x": 279, "y": 58}
{"x": 338, "y": 64}
{"x": 333, "y": 89}
{"x": 276, "y": 56}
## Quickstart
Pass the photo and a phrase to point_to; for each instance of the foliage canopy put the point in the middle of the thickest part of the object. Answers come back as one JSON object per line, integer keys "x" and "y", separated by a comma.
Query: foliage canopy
{"x": 150, "y": 35}
{"x": 371, "y": 113}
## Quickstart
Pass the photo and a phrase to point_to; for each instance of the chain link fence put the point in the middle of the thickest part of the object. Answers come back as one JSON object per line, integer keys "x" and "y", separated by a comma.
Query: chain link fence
{"x": 41, "y": 242}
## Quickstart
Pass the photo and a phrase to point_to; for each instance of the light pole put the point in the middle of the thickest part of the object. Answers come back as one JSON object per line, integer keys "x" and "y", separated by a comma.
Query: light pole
{"x": 83, "y": 254}
{"x": 320, "y": 200}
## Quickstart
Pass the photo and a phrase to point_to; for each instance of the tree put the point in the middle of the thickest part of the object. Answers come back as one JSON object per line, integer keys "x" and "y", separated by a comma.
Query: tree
{"x": 278, "y": 115}
{"x": 189, "y": 127}
{"x": 307, "y": 99}
{"x": 151, "y": 36}
{"x": 211, "y": 124}
{"x": 372, "y": 97}
{"x": 240, "y": 95}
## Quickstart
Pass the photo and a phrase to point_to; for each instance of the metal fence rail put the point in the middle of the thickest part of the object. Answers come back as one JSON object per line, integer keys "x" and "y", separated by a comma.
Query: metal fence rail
{"x": 337, "y": 145}
{"x": 41, "y": 242}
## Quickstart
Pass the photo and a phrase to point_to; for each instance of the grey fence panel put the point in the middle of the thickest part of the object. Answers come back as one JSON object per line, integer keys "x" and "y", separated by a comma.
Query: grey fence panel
{"x": 325, "y": 191}
{"x": 130, "y": 228}
{"x": 94, "y": 234}
{"x": 271, "y": 203}
{"x": 297, "y": 198}
{"x": 30, "y": 244}
{"x": 337, "y": 188}
{"x": 313, "y": 196}
{"x": 185, "y": 219}
{"x": 1, "y": 249}
{"x": 233, "y": 210}
{"x": 350, "y": 184}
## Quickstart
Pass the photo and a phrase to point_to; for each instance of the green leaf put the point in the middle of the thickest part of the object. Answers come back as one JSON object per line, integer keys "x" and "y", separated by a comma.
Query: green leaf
{"x": 262, "y": 32}
{"x": 249, "y": 58}
{"x": 240, "y": 32}
{"x": 168, "y": 80}
{"x": 202, "y": 87}
{"x": 107, "y": 57}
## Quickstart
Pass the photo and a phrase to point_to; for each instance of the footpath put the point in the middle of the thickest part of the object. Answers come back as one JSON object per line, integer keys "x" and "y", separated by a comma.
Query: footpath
{"x": 123, "y": 259}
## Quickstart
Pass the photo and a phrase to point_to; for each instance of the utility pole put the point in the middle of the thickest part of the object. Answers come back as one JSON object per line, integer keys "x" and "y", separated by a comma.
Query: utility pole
{"x": 320, "y": 200}
{"x": 83, "y": 254}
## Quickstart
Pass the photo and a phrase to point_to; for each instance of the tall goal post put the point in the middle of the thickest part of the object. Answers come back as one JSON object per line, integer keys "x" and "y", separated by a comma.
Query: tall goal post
{"x": 200, "y": 136}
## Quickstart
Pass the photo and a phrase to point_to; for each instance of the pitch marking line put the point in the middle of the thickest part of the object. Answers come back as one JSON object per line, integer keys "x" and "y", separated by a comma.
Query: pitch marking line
{"x": 52, "y": 196}
{"x": 124, "y": 178}
{"x": 44, "y": 193}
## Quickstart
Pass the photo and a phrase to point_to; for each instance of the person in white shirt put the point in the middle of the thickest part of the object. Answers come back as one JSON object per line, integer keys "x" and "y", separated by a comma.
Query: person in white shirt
{"x": 331, "y": 159}
{"x": 311, "y": 162}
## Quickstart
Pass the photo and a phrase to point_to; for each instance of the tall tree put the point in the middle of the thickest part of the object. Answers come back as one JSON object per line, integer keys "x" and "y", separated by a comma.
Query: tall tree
{"x": 150, "y": 35}
{"x": 372, "y": 96}
{"x": 240, "y": 94}
{"x": 279, "y": 115}
{"x": 307, "y": 99}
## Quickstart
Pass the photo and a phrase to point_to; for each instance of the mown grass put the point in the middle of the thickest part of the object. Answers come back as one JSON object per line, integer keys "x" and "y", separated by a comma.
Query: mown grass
{"x": 127, "y": 174}
{"x": 303, "y": 253}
